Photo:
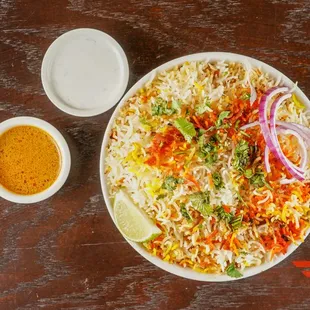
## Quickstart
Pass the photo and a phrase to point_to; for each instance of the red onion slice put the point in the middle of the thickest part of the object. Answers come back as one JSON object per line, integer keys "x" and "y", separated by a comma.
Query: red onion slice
{"x": 303, "y": 148}
{"x": 267, "y": 164}
{"x": 263, "y": 109}
{"x": 275, "y": 147}
{"x": 301, "y": 129}
{"x": 287, "y": 181}
{"x": 250, "y": 125}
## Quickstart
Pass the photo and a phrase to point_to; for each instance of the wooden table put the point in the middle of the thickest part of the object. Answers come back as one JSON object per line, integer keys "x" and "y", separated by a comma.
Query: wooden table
{"x": 66, "y": 252}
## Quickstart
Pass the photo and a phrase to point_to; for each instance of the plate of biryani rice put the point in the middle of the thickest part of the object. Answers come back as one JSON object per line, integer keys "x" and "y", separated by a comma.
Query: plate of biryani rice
{"x": 205, "y": 166}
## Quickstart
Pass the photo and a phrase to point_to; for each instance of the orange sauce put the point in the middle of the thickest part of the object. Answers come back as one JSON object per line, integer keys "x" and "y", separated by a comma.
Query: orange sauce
{"x": 30, "y": 161}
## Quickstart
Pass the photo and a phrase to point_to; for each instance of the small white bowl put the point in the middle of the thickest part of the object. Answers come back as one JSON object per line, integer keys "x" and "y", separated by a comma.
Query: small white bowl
{"x": 84, "y": 72}
{"x": 64, "y": 153}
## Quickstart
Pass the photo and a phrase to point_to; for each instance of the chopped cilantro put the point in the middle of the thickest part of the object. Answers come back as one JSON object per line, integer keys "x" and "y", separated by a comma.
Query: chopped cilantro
{"x": 240, "y": 198}
{"x": 201, "y": 132}
{"x": 217, "y": 180}
{"x": 248, "y": 173}
{"x": 222, "y": 214}
{"x": 211, "y": 158}
{"x": 176, "y": 105}
{"x": 214, "y": 138}
{"x": 242, "y": 155}
{"x": 237, "y": 124}
{"x": 236, "y": 222}
{"x": 160, "y": 107}
{"x": 207, "y": 151}
{"x": 201, "y": 202}
{"x": 221, "y": 117}
{"x": 244, "y": 133}
{"x": 258, "y": 180}
{"x": 186, "y": 128}
{"x": 233, "y": 272}
{"x": 245, "y": 96}
{"x": 208, "y": 147}
{"x": 184, "y": 212}
{"x": 200, "y": 197}
{"x": 203, "y": 107}
{"x": 171, "y": 183}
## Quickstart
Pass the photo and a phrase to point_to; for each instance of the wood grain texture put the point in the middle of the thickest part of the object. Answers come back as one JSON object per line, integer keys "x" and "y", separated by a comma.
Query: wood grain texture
{"x": 65, "y": 253}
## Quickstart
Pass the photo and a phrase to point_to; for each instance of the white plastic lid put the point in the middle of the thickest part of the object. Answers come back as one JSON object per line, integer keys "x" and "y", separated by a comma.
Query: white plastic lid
{"x": 85, "y": 72}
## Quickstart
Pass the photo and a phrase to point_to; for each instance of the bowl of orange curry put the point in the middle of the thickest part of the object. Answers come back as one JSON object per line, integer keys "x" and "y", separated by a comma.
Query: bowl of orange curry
{"x": 34, "y": 160}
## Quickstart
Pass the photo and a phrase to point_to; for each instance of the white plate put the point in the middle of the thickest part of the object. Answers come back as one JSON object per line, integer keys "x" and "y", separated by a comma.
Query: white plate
{"x": 84, "y": 72}
{"x": 175, "y": 269}
{"x": 64, "y": 152}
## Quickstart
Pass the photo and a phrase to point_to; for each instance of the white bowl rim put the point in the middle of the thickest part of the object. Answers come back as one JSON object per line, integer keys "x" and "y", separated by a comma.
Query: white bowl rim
{"x": 64, "y": 152}
{"x": 56, "y": 47}
{"x": 173, "y": 268}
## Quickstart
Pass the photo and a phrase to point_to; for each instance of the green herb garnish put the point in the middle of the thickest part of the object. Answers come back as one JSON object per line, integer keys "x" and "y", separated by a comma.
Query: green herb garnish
{"x": 236, "y": 222}
{"x": 208, "y": 151}
{"x": 171, "y": 183}
{"x": 201, "y": 132}
{"x": 244, "y": 133}
{"x": 221, "y": 117}
{"x": 203, "y": 107}
{"x": 248, "y": 173}
{"x": 222, "y": 214}
{"x": 217, "y": 180}
{"x": 176, "y": 105}
{"x": 211, "y": 158}
{"x": 184, "y": 212}
{"x": 258, "y": 180}
{"x": 208, "y": 148}
{"x": 240, "y": 198}
{"x": 186, "y": 128}
{"x": 160, "y": 107}
{"x": 201, "y": 202}
{"x": 233, "y": 272}
{"x": 245, "y": 96}
{"x": 242, "y": 155}
{"x": 214, "y": 138}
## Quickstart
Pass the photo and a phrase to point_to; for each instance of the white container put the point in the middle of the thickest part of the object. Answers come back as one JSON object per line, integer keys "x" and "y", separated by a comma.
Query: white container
{"x": 64, "y": 154}
{"x": 84, "y": 72}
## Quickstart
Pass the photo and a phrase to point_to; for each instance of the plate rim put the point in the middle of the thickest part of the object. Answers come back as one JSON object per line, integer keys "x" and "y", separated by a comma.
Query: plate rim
{"x": 173, "y": 268}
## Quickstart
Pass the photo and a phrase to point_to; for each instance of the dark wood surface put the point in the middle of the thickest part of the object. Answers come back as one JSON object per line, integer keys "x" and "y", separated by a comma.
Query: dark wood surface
{"x": 65, "y": 252}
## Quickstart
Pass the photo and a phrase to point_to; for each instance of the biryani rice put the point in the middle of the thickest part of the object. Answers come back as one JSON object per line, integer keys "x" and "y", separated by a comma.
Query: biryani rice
{"x": 273, "y": 216}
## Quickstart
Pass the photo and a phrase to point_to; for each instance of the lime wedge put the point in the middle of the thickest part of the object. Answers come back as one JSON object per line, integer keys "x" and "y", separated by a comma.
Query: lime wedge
{"x": 132, "y": 221}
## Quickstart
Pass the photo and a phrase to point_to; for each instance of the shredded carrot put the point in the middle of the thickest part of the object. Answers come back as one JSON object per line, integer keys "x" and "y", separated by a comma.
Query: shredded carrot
{"x": 193, "y": 180}
{"x": 197, "y": 122}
